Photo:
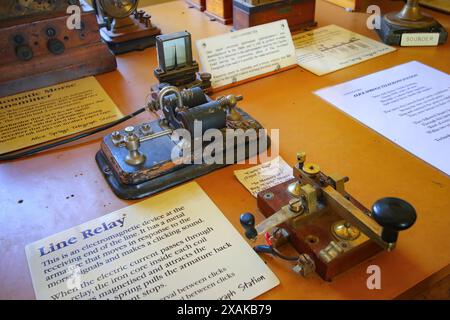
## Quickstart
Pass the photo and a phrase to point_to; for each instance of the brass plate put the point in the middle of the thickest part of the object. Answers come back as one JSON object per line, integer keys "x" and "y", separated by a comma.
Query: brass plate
{"x": 344, "y": 231}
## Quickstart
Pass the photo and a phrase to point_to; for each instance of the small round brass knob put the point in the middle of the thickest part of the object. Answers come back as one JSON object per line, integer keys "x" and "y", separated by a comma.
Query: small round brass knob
{"x": 311, "y": 168}
{"x": 345, "y": 231}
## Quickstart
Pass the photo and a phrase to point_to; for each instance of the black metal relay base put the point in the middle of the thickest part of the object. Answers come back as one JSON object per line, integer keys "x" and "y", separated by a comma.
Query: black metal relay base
{"x": 158, "y": 172}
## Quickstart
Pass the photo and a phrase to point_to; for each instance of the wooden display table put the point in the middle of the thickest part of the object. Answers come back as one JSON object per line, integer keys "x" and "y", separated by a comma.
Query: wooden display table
{"x": 51, "y": 192}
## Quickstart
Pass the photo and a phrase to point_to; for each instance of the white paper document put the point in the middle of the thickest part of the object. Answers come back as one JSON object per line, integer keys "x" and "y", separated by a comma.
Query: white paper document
{"x": 408, "y": 104}
{"x": 177, "y": 245}
{"x": 248, "y": 53}
{"x": 265, "y": 175}
{"x": 331, "y": 48}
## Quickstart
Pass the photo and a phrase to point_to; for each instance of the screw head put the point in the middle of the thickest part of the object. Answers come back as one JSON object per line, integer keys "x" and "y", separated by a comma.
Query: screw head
{"x": 50, "y": 32}
{"x": 311, "y": 168}
{"x": 129, "y": 130}
{"x": 301, "y": 156}
{"x": 268, "y": 195}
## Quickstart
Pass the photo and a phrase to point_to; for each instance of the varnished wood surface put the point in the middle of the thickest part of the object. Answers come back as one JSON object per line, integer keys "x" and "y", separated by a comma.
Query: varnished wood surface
{"x": 220, "y": 10}
{"x": 299, "y": 14}
{"x": 57, "y": 190}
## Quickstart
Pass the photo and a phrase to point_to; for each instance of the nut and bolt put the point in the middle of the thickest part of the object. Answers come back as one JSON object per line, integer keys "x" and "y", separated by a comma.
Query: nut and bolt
{"x": 301, "y": 157}
{"x": 147, "y": 20}
{"x": 146, "y": 129}
{"x": 116, "y": 137}
{"x": 141, "y": 14}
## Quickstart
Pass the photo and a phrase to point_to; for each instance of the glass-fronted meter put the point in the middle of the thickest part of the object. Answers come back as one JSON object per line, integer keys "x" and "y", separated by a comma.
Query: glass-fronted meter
{"x": 174, "y": 50}
{"x": 175, "y": 63}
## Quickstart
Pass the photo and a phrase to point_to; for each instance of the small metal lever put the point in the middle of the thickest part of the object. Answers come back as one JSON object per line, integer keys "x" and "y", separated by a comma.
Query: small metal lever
{"x": 248, "y": 223}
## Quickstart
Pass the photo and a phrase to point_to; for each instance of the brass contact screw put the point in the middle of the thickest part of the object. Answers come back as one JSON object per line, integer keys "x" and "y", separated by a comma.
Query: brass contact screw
{"x": 132, "y": 143}
{"x": 230, "y": 102}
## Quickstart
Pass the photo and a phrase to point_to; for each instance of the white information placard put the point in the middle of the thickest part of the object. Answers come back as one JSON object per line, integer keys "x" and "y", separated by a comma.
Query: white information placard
{"x": 331, "y": 48}
{"x": 408, "y": 104}
{"x": 247, "y": 54}
{"x": 177, "y": 245}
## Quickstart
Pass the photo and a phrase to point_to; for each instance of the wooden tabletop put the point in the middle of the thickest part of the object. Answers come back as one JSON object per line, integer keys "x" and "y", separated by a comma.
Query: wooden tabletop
{"x": 51, "y": 192}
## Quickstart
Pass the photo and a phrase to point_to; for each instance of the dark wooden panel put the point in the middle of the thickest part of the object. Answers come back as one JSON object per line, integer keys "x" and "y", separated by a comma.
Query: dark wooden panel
{"x": 298, "y": 13}
{"x": 84, "y": 54}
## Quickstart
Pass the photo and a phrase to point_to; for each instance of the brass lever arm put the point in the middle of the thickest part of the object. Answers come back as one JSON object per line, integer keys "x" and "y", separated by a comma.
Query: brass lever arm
{"x": 355, "y": 216}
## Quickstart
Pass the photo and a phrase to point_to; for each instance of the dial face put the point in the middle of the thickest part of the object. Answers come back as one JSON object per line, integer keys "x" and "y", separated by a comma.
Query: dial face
{"x": 119, "y": 8}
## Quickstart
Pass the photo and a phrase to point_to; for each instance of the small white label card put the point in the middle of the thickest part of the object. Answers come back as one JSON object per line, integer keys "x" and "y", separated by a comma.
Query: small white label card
{"x": 247, "y": 54}
{"x": 177, "y": 245}
{"x": 265, "y": 175}
{"x": 419, "y": 39}
{"x": 332, "y": 48}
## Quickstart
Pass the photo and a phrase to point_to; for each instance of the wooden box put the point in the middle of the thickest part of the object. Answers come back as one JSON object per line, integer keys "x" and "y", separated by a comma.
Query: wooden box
{"x": 298, "y": 13}
{"x": 356, "y": 5}
{"x": 220, "y": 10}
{"x": 39, "y": 51}
{"x": 197, "y": 4}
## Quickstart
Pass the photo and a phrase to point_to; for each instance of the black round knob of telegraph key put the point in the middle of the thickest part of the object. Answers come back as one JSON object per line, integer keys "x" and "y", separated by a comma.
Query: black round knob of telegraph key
{"x": 394, "y": 215}
{"x": 248, "y": 223}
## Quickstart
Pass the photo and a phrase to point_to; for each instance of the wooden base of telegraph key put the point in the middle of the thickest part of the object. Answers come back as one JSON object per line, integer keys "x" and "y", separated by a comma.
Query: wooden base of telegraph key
{"x": 314, "y": 237}
{"x": 331, "y": 230}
